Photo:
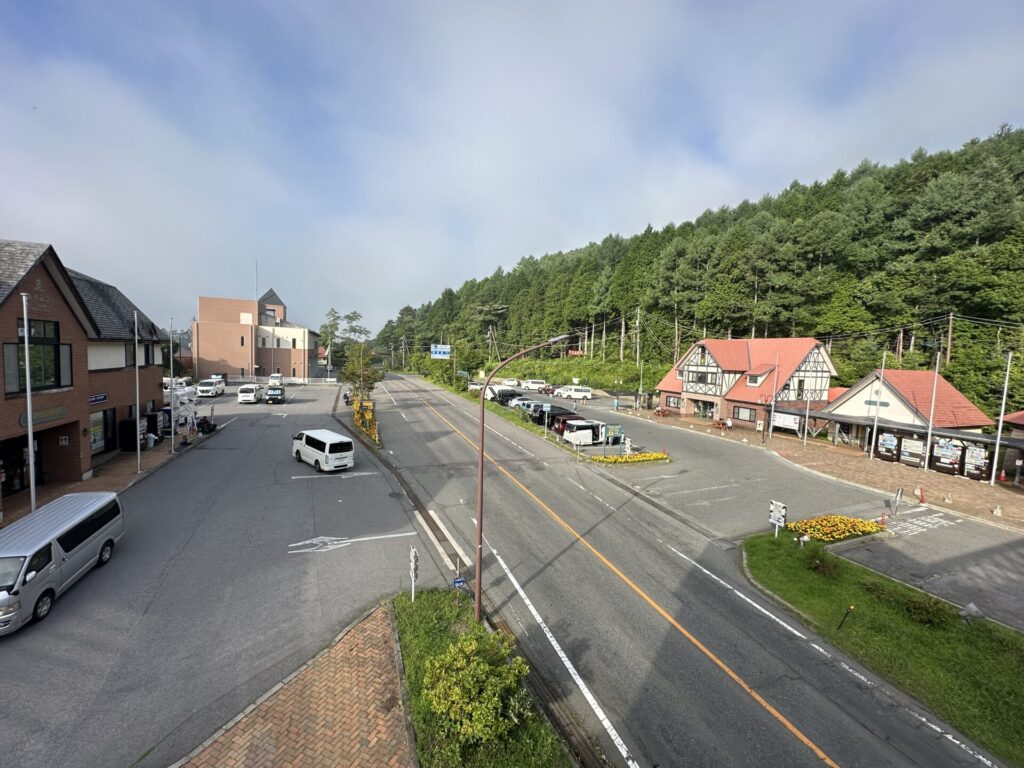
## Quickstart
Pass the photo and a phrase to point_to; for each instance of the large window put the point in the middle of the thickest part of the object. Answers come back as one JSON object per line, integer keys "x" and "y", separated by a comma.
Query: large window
{"x": 702, "y": 377}
{"x": 129, "y": 355}
{"x": 743, "y": 414}
{"x": 673, "y": 402}
{"x": 49, "y": 359}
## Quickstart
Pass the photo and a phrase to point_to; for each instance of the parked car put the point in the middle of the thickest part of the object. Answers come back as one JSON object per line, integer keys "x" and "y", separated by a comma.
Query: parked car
{"x": 578, "y": 393}
{"x": 209, "y": 388}
{"x": 275, "y": 395}
{"x": 505, "y": 396}
{"x": 510, "y": 382}
{"x": 541, "y": 417}
{"x": 560, "y": 391}
{"x": 558, "y": 421}
{"x": 493, "y": 392}
{"x": 250, "y": 393}
{"x": 523, "y": 404}
{"x": 276, "y": 380}
{"x": 475, "y": 386}
{"x": 533, "y": 385}
{"x": 547, "y": 389}
{"x": 519, "y": 398}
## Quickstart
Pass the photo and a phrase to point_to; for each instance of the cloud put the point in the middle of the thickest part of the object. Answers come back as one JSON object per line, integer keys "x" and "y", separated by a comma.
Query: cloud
{"x": 369, "y": 156}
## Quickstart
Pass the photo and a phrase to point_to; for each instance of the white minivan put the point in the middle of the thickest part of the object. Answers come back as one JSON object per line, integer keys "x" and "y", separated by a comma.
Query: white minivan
{"x": 534, "y": 384}
{"x": 44, "y": 553}
{"x": 578, "y": 393}
{"x": 324, "y": 449}
{"x": 250, "y": 393}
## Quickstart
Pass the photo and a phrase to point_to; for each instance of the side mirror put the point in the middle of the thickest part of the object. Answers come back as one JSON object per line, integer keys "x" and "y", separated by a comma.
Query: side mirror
{"x": 29, "y": 576}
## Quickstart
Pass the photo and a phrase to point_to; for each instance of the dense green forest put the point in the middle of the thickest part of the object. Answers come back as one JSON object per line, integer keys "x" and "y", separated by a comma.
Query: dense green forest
{"x": 876, "y": 258}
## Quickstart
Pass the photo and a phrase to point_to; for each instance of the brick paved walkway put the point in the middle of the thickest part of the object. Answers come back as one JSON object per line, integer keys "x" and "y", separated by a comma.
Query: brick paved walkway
{"x": 344, "y": 708}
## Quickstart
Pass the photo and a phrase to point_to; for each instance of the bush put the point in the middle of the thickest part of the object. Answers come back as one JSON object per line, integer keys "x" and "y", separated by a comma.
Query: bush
{"x": 918, "y": 606}
{"x": 819, "y": 559}
{"x": 475, "y": 688}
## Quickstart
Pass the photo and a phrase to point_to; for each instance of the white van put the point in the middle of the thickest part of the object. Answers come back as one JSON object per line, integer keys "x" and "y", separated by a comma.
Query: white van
{"x": 578, "y": 393}
{"x": 534, "y": 384}
{"x": 250, "y": 393}
{"x": 276, "y": 380}
{"x": 45, "y": 552}
{"x": 324, "y": 449}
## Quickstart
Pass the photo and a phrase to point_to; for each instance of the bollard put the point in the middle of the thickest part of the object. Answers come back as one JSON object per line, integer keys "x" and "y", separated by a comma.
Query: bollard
{"x": 843, "y": 620}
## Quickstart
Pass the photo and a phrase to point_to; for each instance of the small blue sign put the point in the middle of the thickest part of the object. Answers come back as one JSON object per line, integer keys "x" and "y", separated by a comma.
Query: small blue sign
{"x": 458, "y": 581}
{"x": 96, "y": 399}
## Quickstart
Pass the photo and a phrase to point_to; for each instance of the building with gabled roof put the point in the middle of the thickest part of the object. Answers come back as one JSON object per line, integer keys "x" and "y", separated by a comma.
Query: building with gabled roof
{"x": 739, "y": 379}
{"x": 83, "y": 353}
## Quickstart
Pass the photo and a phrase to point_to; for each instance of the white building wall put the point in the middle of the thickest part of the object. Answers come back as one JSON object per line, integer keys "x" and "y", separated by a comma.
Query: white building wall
{"x": 894, "y": 411}
{"x": 103, "y": 355}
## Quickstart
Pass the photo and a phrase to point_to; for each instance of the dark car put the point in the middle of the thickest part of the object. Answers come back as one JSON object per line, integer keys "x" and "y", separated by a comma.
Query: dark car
{"x": 274, "y": 395}
{"x": 505, "y": 395}
{"x": 547, "y": 389}
{"x": 548, "y": 417}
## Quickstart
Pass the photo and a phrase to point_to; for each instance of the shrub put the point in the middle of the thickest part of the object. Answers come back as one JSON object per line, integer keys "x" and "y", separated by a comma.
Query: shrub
{"x": 475, "y": 688}
{"x": 928, "y": 610}
{"x": 819, "y": 559}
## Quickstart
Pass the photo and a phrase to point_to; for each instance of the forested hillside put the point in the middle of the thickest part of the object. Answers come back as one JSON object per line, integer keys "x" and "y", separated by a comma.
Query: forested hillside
{"x": 871, "y": 259}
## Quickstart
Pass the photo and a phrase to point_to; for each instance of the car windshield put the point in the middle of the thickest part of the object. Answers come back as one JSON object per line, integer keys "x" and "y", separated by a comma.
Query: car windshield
{"x": 207, "y": 383}
{"x": 10, "y": 567}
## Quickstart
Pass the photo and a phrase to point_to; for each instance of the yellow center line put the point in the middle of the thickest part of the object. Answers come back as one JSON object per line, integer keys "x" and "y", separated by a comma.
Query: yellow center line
{"x": 646, "y": 598}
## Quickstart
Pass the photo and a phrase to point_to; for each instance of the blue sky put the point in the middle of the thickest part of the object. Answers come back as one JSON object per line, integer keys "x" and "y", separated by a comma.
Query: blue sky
{"x": 368, "y": 155}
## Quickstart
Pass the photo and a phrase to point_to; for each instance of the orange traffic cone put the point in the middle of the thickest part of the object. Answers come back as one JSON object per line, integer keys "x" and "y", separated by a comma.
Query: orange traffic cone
{"x": 1002, "y": 475}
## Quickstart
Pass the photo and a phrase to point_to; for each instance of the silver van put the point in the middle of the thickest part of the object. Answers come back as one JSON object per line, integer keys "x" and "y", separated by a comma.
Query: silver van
{"x": 44, "y": 553}
{"x": 324, "y": 449}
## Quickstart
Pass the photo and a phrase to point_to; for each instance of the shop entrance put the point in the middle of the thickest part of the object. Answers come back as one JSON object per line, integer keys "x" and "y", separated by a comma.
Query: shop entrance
{"x": 703, "y": 409}
{"x": 14, "y": 460}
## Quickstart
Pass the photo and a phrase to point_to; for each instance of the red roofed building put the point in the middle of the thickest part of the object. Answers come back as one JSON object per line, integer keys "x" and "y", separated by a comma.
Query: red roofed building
{"x": 1016, "y": 422}
{"x": 740, "y": 378}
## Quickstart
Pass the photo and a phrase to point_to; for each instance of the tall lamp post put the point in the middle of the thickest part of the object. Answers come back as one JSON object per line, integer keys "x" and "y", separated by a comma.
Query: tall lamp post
{"x": 480, "y": 468}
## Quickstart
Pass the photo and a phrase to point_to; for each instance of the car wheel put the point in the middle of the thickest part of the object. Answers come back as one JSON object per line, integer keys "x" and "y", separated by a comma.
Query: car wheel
{"x": 43, "y": 606}
{"x": 316, "y": 465}
{"x": 106, "y": 552}
{"x": 298, "y": 457}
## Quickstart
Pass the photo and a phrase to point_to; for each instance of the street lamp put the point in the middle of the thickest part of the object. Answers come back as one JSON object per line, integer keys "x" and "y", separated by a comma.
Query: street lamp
{"x": 480, "y": 468}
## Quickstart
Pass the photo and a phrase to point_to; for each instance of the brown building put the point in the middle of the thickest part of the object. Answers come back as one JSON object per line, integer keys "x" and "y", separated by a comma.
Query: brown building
{"x": 82, "y": 355}
{"x": 247, "y": 339}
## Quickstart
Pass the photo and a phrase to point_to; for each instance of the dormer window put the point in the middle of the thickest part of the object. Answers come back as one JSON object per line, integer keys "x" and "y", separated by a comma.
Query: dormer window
{"x": 754, "y": 380}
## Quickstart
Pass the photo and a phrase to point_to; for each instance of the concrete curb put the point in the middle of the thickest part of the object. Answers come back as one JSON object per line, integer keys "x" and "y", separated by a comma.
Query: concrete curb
{"x": 410, "y": 732}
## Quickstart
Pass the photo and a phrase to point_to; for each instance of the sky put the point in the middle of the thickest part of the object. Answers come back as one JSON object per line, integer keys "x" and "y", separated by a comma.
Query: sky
{"x": 365, "y": 156}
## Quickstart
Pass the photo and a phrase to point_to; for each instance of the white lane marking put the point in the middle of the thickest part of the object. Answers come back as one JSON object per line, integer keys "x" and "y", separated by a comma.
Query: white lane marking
{"x": 403, "y": 415}
{"x": 344, "y": 476}
{"x": 976, "y": 755}
{"x": 221, "y": 426}
{"x": 327, "y": 543}
{"x": 739, "y": 594}
{"x": 465, "y": 560}
{"x": 699, "y": 490}
{"x": 507, "y": 439}
{"x": 578, "y": 485}
{"x": 389, "y": 395}
{"x": 659, "y": 477}
{"x": 433, "y": 540}
{"x": 609, "y": 728}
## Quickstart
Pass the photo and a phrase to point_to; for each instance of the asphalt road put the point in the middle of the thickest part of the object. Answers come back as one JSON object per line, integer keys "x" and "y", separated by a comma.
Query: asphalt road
{"x": 206, "y": 603}
{"x": 639, "y": 616}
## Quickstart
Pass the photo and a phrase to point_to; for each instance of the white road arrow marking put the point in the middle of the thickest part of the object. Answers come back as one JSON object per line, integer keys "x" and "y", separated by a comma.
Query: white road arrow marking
{"x": 327, "y": 543}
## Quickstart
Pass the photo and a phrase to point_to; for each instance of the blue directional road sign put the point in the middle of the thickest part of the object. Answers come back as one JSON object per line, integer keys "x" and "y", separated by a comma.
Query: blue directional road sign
{"x": 458, "y": 581}
{"x": 441, "y": 351}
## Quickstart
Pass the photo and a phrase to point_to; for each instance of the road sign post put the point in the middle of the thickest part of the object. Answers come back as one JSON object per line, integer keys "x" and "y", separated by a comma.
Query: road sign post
{"x": 414, "y": 569}
{"x": 776, "y": 515}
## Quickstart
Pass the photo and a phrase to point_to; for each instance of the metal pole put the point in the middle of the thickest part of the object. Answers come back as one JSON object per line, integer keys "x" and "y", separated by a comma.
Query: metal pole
{"x": 931, "y": 411}
{"x": 775, "y": 395}
{"x": 878, "y": 407}
{"x": 28, "y": 411}
{"x": 1002, "y": 413}
{"x": 138, "y": 412}
{"x": 807, "y": 417}
{"x": 174, "y": 425}
{"x": 478, "y": 581}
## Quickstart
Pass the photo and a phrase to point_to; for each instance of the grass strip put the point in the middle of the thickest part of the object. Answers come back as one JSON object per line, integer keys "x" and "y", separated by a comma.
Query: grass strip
{"x": 425, "y": 629}
{"x": 972, "y": 675}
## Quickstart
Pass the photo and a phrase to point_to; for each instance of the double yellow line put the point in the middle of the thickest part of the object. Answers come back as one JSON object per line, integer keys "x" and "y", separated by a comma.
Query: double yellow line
{"x": 643, "y": 595}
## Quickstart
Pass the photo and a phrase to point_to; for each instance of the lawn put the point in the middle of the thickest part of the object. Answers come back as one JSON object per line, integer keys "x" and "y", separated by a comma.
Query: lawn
{"x": 972, "y": 675}
{"x": 426, "y": 629}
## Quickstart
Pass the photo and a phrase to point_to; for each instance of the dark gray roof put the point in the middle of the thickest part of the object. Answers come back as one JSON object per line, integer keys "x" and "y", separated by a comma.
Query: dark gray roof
{"x": 271, "y": 297}
{"x": 112, "y": 310}
{"x": 16, "y": 259}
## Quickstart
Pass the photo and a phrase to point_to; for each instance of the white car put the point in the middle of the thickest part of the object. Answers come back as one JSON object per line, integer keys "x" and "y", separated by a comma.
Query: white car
{"x": 209, "y": 388}
{"x": 510, "y": 382}
{"x": 578, "y": 393}
{"x": 515, "y": 402}
{"x": 250, "y": 393}
{"x": 533, "y": 385}
{"x": 475, "y": 386}
{"x": 276, "y": 380}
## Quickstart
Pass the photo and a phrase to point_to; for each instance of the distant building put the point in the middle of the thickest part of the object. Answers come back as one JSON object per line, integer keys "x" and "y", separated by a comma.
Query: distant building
{"x": 246, "y": 339}
{"x": 740, "y": 378}
{"x": 1016, "y": 422}
{"x": 82, "y": 353}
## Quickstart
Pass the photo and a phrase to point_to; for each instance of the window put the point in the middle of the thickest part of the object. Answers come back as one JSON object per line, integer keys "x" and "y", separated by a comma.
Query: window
{"x": 342, "y": 447}
{"x": 74, "y": 538}
{"x": 263, "y": 341}
{"x": 672, "y": 401}
{"x": 41, "y": 559}
{"x": 293, "y": 372}
{"x": 743, "y": 414}
{"x": 278, "y": 343}
{"x": 315, "y": 444}
{"x": 150, "y": 406}
{"x": 241, "y": 372}
{"x": 293, "y": 343}
{"x": 753, "y": 381}
{"x": 799, "y": 389}
{"x": 129, "y": 355}
{"x": 702, "y": 377}
{"x": 50, "y": 360}
{"x": 241, "y": 341}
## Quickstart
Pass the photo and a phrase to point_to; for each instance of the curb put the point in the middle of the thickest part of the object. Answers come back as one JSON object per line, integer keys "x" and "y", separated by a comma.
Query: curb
{"x": 410, "y": 732}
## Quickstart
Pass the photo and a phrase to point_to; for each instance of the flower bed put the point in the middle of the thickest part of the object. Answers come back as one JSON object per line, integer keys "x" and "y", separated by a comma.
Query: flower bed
{"x": 633, "y": 458}
{"x": 834, "y": 527}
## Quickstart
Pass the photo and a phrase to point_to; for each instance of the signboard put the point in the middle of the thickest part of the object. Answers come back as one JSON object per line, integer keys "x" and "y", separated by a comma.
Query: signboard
{"x": 44, "y": 415}
{"x": 458, "y": 582}
{"x": 776, "y": 515}
{"x": 912, "y": 452}
{"x": 441, "y": 351}
{"x": 786, "y": 421}
{"x": 96, "y": 399}
{"x": 574, "y": 352}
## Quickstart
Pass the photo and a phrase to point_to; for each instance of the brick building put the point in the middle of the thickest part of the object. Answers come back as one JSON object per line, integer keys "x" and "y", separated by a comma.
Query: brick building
{"x": 82, "y": 355}
{"x": 247, "y": 339}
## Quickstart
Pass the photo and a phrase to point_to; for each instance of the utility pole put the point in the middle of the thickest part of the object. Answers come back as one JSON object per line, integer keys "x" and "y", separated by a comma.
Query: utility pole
{"x": 675, "y": 345}
{"x": 622, "y": 340}
{"x": 949, "y": 338}
{"x": 604, "y": 329}
{"x": 637, "y": 329}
